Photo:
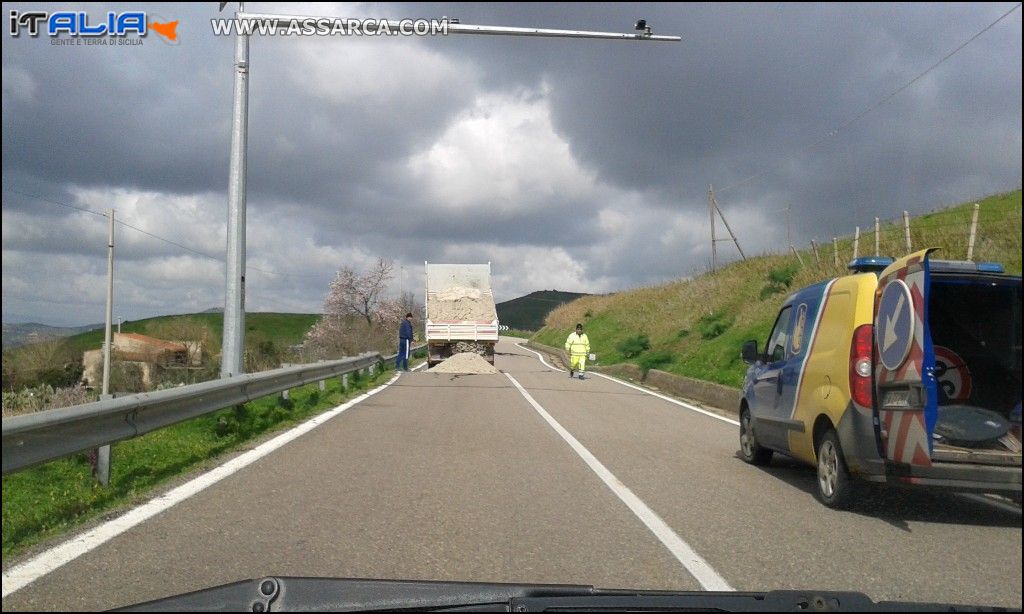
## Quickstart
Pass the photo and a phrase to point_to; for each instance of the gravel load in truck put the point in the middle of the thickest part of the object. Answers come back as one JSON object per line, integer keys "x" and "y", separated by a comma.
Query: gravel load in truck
{"x": 461, "y": 303}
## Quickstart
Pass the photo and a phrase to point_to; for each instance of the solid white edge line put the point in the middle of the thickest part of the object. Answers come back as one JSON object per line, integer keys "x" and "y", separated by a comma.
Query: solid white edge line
{"x": 707, "y": 577}
{"x": 669, "y": 399}
{"x": 540, "y": 356}
{"x": 20, "y": 576}
{"x": 641, "y": 389}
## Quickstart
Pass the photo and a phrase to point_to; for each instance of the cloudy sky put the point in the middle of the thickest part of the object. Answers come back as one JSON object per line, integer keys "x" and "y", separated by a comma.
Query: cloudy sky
{"x": 570, "y": 164}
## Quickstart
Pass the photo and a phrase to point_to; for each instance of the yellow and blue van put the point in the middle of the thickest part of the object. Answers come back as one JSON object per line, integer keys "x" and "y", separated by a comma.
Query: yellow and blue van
{"x": 905, "y": 372}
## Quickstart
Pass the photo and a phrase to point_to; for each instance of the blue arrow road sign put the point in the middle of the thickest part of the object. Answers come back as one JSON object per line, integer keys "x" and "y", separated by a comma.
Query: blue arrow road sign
{"x": 894, "y": 327}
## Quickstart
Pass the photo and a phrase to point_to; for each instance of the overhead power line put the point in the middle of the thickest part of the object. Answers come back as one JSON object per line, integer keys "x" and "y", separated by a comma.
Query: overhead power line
{"x": 842, "y": 126}
{"x": 202, "y": 254}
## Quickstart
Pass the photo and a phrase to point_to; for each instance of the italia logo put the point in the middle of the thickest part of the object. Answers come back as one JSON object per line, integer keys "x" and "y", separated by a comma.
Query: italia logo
{"x": 78, "y": 24}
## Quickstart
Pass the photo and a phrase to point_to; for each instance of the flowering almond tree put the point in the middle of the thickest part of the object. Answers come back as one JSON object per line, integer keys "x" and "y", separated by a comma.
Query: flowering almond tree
{"x": 357, "y": 317}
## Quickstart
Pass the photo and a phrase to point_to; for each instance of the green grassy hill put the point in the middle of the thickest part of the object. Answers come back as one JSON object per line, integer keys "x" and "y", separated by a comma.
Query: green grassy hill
{"x": 283, "y": 329}
{"x": 695, "y": 327}
{"x": 58, "y": 362}
{"x": 528, "y": 312}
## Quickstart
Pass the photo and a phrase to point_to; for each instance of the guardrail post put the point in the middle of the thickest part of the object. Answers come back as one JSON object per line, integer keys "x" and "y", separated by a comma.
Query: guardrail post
{"x": 284, "y": 394}
{"x": 344, "y": 382}
{"x": 102, "y": 467}
{"x": 371, "y": 369}
{"x": 323, "y": 385}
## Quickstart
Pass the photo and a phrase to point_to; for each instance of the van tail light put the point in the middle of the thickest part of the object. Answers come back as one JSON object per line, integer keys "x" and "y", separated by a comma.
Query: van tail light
{"x": 860, "y": 365}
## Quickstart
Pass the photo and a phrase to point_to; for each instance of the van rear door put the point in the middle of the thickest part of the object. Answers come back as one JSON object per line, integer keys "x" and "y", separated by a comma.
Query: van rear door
{"x": 906, "y": 403}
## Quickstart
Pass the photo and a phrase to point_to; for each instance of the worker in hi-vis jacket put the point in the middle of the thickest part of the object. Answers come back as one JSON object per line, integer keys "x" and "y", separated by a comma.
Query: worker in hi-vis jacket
{"x": 578, "y": 346}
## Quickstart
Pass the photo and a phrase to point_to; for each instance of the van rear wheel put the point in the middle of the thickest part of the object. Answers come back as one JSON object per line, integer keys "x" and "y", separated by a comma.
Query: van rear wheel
{"x": 749, "y": 448}
{"x": 835, "y": 488}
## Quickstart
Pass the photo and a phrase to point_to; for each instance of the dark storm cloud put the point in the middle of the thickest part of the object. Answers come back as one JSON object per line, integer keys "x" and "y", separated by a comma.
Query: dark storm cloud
{"x": 352, "y": 142}
{"x": 751, "y": 89}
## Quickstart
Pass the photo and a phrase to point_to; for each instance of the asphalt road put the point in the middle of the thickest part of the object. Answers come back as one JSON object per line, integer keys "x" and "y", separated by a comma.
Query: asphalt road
{"x": 444, "y": 477}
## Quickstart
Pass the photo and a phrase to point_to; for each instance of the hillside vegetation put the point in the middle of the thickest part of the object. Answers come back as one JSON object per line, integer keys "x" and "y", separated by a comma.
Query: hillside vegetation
{"x": 695, "y": 327}
{"x": 57, "y": 363}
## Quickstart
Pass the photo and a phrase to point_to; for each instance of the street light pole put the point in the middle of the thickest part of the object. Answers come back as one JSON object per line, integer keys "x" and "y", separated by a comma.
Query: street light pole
{"x": 233, "y": 345}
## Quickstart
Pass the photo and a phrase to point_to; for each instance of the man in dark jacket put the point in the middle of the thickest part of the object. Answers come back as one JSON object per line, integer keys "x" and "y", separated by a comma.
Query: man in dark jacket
{"x": 404, "y": 344}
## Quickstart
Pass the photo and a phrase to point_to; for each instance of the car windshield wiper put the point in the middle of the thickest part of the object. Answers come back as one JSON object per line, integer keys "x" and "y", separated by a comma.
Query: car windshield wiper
{"x": 327, "y": 594}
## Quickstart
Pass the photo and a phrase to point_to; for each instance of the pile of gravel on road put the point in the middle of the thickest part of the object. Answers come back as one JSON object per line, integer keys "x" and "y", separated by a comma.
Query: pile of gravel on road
{"x": 465, "y": 363}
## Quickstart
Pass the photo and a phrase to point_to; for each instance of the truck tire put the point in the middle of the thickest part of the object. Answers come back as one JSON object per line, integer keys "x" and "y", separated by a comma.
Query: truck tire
{"x": 749, "y": 449}
{"x": 835, "y": 487}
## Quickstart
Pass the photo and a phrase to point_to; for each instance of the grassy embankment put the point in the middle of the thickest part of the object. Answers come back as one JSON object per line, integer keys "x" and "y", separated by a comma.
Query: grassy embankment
{"x": 695, "y": 327}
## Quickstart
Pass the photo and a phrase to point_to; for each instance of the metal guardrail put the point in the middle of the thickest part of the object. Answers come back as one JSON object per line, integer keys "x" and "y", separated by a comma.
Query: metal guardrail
{"x": 47, "y": 435}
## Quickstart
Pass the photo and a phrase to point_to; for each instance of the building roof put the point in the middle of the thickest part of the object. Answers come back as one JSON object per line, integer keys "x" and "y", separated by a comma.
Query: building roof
{"x": 153, "y": 341}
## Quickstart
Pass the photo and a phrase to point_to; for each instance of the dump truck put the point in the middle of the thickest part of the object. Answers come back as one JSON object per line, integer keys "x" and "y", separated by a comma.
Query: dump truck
{"x": 460, "y": 311}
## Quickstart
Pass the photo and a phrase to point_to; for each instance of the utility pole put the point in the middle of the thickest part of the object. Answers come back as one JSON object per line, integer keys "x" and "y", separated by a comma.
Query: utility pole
{"x": 103, "y": 452}
{"x": 789, "y": 224}
{"x": 233, "y": 345}
{"x": 711, "y": 214}
{"x": 713, "y": 204}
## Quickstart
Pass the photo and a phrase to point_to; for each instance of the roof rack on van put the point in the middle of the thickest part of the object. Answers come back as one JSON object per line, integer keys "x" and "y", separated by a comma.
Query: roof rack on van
{"x": 966, "y": 266}
{"x": 869, "y": 264}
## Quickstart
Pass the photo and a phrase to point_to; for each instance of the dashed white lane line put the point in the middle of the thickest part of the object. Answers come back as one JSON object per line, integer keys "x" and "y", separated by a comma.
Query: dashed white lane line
{"x": 691, "y": 561}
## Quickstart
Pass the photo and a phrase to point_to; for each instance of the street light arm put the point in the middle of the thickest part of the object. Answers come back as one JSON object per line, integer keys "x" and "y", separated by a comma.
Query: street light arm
{"x": 460, "y": 28}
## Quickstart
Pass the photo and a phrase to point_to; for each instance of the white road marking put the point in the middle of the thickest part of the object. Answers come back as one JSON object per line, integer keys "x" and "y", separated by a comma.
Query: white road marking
{"x": 24, "y": 574}
{"x": 541, "y": 357}
{"x": 644, "y": 390}
{"x": 693, "y": 562}
{"x": 699, "y": 410}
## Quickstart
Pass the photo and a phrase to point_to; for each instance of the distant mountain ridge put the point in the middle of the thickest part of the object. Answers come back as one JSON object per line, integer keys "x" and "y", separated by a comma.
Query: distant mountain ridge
{"x": 528, "y": 312}
{"x": 19, "y": 334}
